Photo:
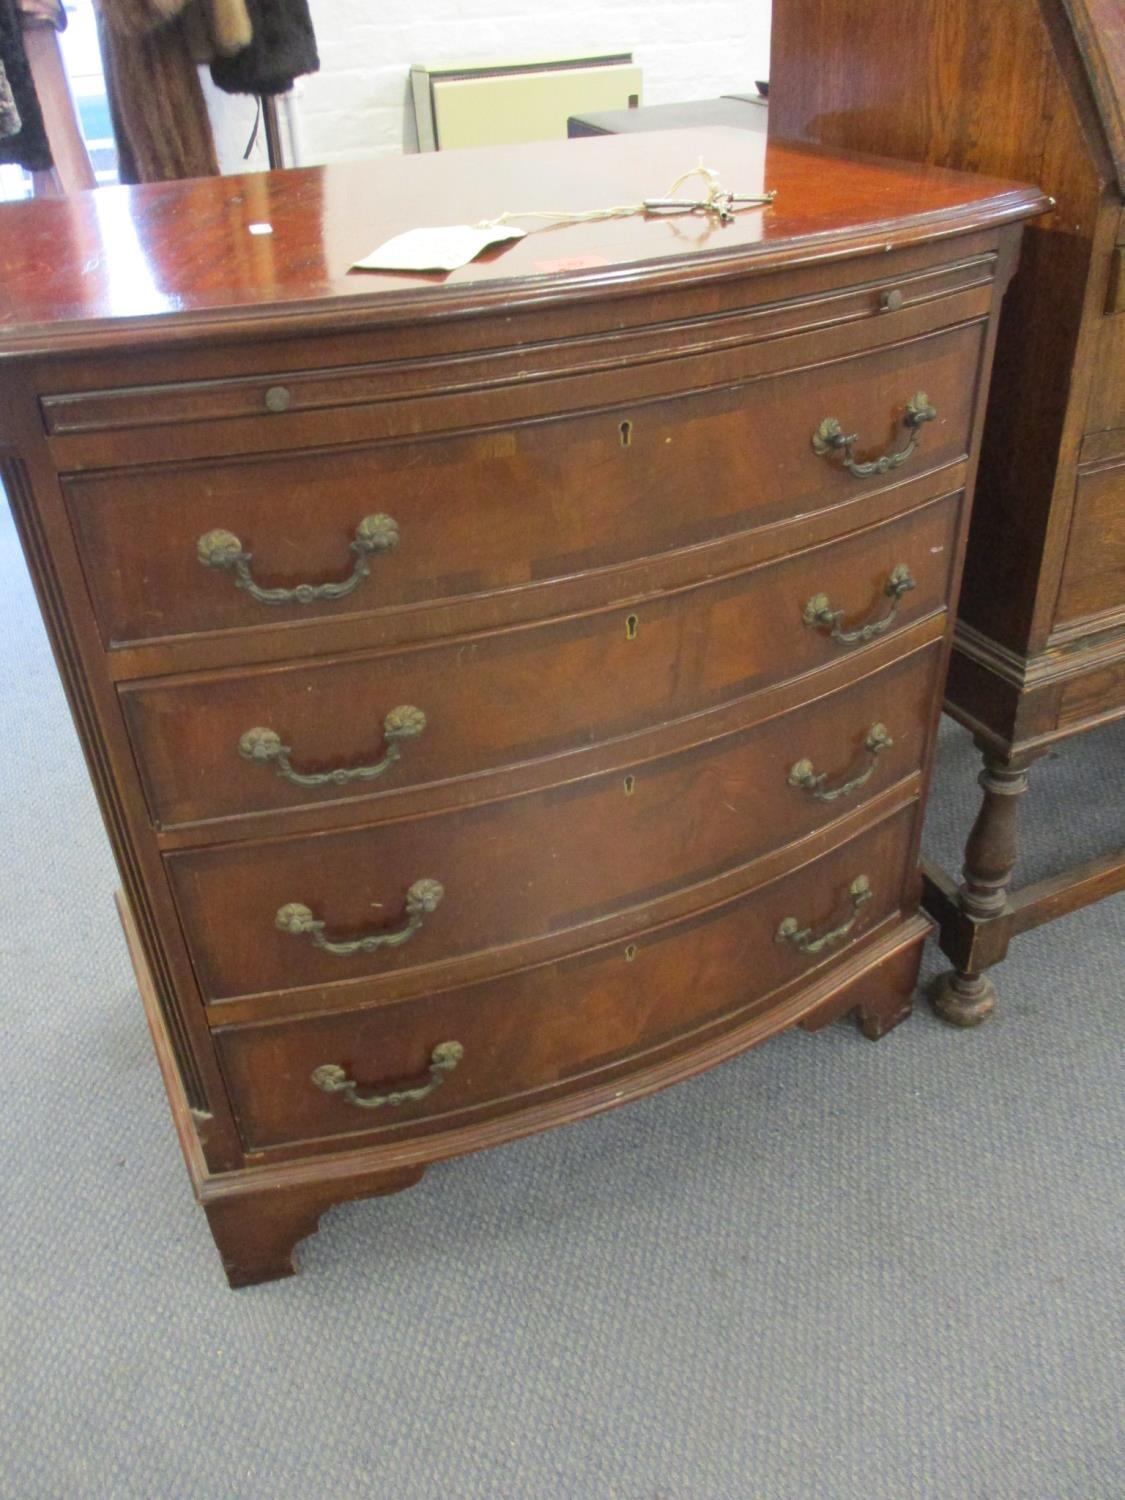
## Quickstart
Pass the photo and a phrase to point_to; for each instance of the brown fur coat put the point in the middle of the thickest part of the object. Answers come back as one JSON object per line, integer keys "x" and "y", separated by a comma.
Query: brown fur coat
{"x": 226, "y": 23}
{"x": 156, "y": 102}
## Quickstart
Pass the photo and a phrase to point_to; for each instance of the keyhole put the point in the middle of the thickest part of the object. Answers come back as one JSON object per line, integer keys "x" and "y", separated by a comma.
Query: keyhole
{"x": 626, "y": 434}
{"x": 630, "y": 785}
{"x": 631, "y": 623}
{"x": 630, "y": 953}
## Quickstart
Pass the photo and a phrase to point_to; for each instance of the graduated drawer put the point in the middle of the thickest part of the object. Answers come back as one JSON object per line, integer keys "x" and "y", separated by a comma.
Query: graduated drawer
{"x": 521, "y": 695}
{"x": 515, "y": 870}
{"x": 557, "y": 1026}
{"x": 204, "y": 547}
{"x": 349, "y": 386}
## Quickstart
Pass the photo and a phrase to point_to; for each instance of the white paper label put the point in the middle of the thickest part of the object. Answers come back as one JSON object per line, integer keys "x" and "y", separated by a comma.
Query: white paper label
{"x": 442, "y": 249}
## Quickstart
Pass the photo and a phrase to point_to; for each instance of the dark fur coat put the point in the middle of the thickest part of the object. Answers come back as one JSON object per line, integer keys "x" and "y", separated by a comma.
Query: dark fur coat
{"x": 28, "y": 145}
{"x": 282, "y": 48}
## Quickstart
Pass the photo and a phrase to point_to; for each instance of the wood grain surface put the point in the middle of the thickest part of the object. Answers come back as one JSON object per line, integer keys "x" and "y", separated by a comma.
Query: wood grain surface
{"x": 646, "y": 616}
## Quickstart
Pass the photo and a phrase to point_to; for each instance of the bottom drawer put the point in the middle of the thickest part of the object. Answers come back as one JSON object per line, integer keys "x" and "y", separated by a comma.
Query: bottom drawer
{"x": 550, "y": 1028}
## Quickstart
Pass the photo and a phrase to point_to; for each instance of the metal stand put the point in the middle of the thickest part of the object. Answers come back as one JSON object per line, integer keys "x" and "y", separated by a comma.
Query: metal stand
{"x": 272, "y": 126}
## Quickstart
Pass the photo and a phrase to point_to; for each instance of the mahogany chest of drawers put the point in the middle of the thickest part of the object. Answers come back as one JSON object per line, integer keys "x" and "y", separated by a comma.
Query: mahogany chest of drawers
{"x": 512, "y": 692}
{"x": 1028, "y": 88}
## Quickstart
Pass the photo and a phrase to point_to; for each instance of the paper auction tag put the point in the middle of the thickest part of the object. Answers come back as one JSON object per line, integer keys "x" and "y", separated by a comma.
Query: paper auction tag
{"x": 441, "y": 249}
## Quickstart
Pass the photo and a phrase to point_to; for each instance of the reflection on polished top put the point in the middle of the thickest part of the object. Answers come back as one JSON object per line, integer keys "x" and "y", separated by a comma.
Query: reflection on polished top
{"x": 229, "y": 250}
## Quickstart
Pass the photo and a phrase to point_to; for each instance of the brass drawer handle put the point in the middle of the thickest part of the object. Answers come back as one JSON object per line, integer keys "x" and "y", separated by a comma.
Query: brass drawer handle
{"x": 830, "y": 438}
{"x": 819, "y": 612}
{"x": 791, "y": 930}
{"x": 264, "y": 746}
{"x": 222, "y": 549}
{"x": 423, "y": 897}
{"x": 334, "y": 1080}
{"x": 803, "y": 775}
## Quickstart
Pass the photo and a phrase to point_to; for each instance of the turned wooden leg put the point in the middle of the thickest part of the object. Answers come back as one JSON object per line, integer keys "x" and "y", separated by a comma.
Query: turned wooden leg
{"x": 966, "y": 995}
{"x": 257, "y": 1231}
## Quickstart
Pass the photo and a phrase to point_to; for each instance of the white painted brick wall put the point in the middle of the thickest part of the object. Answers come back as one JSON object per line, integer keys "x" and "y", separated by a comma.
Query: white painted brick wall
{"x": 358, "y": 104}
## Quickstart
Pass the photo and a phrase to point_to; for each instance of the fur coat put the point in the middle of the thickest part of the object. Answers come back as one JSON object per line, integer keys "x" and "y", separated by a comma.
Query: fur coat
{"x": 151, "y": 49}
{"x": 156, "y": 103}
{"x": 27, "y": 144}
{"x": 225, "y": 23}
{"x": 10, "y": 122}
{"x": 283, "y": 48}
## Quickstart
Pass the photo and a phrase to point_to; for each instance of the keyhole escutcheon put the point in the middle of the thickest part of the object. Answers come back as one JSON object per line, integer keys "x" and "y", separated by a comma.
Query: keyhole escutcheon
{"x": 626, "y": 430}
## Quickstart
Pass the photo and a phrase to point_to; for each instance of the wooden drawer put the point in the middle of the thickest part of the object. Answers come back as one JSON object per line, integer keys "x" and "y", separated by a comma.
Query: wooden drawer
{"x": 1094, "y": 696}
{"x": 551, "y": 861}
{"x": 503, "y": 509}
{"x": 550, "y": 690}
{"x": 553, "y": 1027}
{"x": 1094, "y": 572}
{"x": 362, "y": 372}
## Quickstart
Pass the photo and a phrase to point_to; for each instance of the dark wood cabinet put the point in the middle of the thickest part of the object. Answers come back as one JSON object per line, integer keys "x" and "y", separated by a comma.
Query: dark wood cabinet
{"x": 1035, "y": 88}
{"x": 512, "y": 692}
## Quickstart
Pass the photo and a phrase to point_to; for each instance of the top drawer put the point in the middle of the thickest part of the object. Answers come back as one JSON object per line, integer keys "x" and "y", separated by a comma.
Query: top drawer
{"x": 222, "y": 546}
{"x": 356, "y": 373}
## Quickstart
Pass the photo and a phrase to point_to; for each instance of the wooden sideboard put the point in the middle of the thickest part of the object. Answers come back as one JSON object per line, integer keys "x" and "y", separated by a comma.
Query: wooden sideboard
{"x": 1028, "y": 88}
{"x": 512, "y": 692}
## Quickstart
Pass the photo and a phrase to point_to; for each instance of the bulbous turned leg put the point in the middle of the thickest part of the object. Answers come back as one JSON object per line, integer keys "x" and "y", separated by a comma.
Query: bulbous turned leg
{"x": 966, "y": 996}
{"x": 963, "y": 999}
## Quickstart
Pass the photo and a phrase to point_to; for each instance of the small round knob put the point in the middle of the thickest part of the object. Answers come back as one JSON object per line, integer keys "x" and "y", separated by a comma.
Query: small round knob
{"x": 892, "y": 300}
{"x": 278, "y": 398}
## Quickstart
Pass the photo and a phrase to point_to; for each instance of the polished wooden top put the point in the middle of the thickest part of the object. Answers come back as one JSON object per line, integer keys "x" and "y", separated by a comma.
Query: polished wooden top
{"x": 136, "y": 265}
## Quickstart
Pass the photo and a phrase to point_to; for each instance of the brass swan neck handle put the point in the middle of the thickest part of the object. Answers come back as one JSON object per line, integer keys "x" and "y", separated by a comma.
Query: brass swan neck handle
{"x": 222, "y": 550}
{"x": 802, "y": 773}
{"x": 819, "y": 614}
{"x": 830, "y": 438}
{"x": 265, "y": 747}
{"x": 423, "y": 897}
{"x": 791, "y": 931}
{"x": 333, "y": 1079}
